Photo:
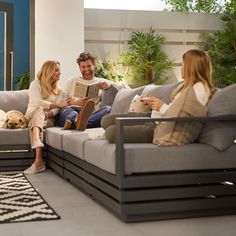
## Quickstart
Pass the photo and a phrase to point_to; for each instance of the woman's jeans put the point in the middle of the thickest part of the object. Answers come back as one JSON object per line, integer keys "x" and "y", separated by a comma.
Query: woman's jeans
{"x": 71, "y": 113}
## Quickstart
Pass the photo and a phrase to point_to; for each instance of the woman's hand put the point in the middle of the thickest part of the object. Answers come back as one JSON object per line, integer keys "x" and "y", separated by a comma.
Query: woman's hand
{"x": 48, "y": 114}
{"x": 156, "y": 103}
{"x": 153, "y": 102}
{"x": 59, "y": 105}
{"x": 64, "y": 104}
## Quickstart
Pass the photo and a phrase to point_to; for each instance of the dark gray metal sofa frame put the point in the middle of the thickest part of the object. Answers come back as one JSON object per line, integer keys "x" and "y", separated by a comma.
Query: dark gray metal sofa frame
{"x": 15, "y": 157}
{"x": 151, "y": 196}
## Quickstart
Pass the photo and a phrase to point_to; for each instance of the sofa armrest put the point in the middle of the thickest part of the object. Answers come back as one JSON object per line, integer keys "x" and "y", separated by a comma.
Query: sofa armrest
{"x": 122, "y": 121}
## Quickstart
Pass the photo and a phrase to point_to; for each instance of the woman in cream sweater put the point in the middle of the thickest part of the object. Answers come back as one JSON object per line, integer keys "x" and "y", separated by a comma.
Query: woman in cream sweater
{"x": 45, "y": 100}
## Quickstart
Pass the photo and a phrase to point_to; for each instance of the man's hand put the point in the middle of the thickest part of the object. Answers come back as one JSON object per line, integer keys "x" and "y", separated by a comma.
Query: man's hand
{"x": 103, "y": 85}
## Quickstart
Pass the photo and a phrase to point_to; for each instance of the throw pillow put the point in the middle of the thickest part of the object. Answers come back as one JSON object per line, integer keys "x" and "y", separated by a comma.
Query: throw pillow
{"x": 123, "y": 98}
{"x": 221, "y": 134}
{"x": 137, "y": 105}
{"x": 108, "y": 96}
{"x": 180, "y": 133}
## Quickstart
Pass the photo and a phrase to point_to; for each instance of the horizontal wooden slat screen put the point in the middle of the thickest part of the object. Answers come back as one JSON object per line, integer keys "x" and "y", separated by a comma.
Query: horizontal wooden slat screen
{"x": 107, "y": 32}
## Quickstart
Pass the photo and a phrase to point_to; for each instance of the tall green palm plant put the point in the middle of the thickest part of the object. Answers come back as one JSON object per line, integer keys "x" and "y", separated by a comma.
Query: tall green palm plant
{"x": 146, "y": 58}
{"x": 221, "y": 47}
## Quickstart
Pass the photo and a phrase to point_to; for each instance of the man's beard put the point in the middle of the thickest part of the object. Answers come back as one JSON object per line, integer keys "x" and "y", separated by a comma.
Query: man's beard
{"x": 88, "y": 76}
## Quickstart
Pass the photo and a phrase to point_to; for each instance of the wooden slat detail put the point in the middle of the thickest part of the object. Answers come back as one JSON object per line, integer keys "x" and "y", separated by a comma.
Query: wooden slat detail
{"x": 114, "y": 29}
{"x": 92, "y": 41}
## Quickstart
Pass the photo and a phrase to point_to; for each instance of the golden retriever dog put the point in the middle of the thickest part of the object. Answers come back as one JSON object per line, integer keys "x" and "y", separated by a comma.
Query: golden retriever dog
{"x": 15, "y": 120}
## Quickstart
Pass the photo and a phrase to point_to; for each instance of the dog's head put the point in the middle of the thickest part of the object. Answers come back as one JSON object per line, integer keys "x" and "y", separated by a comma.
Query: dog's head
{"x": 14, "y": 122}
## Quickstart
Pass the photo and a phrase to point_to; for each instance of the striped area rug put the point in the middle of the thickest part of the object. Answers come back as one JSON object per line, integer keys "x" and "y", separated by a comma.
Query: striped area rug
{"x": 20, "y": 202}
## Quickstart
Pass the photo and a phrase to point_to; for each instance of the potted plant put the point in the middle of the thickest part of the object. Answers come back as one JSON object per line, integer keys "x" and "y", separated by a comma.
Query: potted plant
{"x": 145, "y": 58}
{"x": 109, "y": 69}
{"x": 23, "y": 81}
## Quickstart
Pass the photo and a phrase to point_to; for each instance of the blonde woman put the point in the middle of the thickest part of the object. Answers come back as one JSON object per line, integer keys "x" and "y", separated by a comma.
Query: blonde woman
{"x": 45, "y": 100}
{"x": 196, "y": 73}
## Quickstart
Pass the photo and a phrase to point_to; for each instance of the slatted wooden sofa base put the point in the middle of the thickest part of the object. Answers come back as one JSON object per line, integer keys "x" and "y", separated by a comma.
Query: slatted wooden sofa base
{"x": 150, "y": 196}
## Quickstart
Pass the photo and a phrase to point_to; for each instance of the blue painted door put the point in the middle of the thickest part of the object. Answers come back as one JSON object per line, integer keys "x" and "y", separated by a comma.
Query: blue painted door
{"x": 2, "y": 49}
{"x": 6, "y": 46}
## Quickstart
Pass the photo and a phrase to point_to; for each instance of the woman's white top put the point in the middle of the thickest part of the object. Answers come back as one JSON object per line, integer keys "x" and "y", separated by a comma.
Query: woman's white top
{"x": 202, "y": 95}
{"x": 36, "y": 101}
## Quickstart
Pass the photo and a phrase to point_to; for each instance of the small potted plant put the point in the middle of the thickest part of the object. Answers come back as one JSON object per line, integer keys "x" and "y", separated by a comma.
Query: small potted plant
{"x": 23, "y": 81}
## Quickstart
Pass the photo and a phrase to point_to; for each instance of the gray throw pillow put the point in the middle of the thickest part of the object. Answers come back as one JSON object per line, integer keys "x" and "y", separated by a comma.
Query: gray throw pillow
{"x": 221, "y": 134}
{"x": 160, "y": 91}
{"x": 123, "y": 99}
{"x": 108, "y": 96}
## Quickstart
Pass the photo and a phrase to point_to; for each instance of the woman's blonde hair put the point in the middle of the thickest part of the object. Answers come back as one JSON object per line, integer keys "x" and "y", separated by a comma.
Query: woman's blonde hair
{"x": 197, "y": 68}
{"x": 44, "y": 76}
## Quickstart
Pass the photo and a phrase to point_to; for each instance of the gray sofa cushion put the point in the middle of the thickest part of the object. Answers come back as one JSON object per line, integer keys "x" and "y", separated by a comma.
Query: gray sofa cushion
{"x": 73, "y": 142}
{"x": 160, "y": 91}
{"x": 175, "y": 158}
{"x": 101, "y": 154}
{"x": 108, "y": 96}
{"x": 54, "y": 136}
{"x": 14, "y": 100}
{"x": 123, "y": 99}
{"x": 221, "y": 135}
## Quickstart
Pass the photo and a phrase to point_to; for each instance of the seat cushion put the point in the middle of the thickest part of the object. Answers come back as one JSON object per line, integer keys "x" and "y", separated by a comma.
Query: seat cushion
{"x": 54, "y": 136}
{"x": 221, "y": 134}
{"x": 73, "y": 143}
{"x": 14, "y": 136}
{"x": 144, "y": 157}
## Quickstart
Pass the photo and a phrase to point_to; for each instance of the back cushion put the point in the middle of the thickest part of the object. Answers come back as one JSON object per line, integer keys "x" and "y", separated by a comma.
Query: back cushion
{"x": 14, "y": 100}
{"x": 221, "y": 134}
{"x": 123, "y": 99}
{"x": 160, "y": 91}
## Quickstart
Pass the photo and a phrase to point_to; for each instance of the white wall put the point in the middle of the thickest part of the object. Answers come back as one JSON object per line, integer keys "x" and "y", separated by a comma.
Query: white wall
{"x": 59, "y": 34}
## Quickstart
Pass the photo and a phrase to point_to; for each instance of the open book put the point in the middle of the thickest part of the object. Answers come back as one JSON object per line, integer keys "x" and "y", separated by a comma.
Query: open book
{"x": 86, "y": 90}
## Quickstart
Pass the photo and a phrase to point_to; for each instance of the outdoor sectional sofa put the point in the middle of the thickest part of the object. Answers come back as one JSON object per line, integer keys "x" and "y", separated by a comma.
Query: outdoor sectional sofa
{"x": 139, "y": 181}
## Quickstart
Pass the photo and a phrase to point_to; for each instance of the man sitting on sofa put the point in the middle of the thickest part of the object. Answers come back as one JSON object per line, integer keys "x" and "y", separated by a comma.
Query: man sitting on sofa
{"x": 83, "y": 107}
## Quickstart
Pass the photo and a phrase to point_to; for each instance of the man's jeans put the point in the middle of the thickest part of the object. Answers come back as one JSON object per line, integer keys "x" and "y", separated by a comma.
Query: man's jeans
{"x": 71, "y": 113}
